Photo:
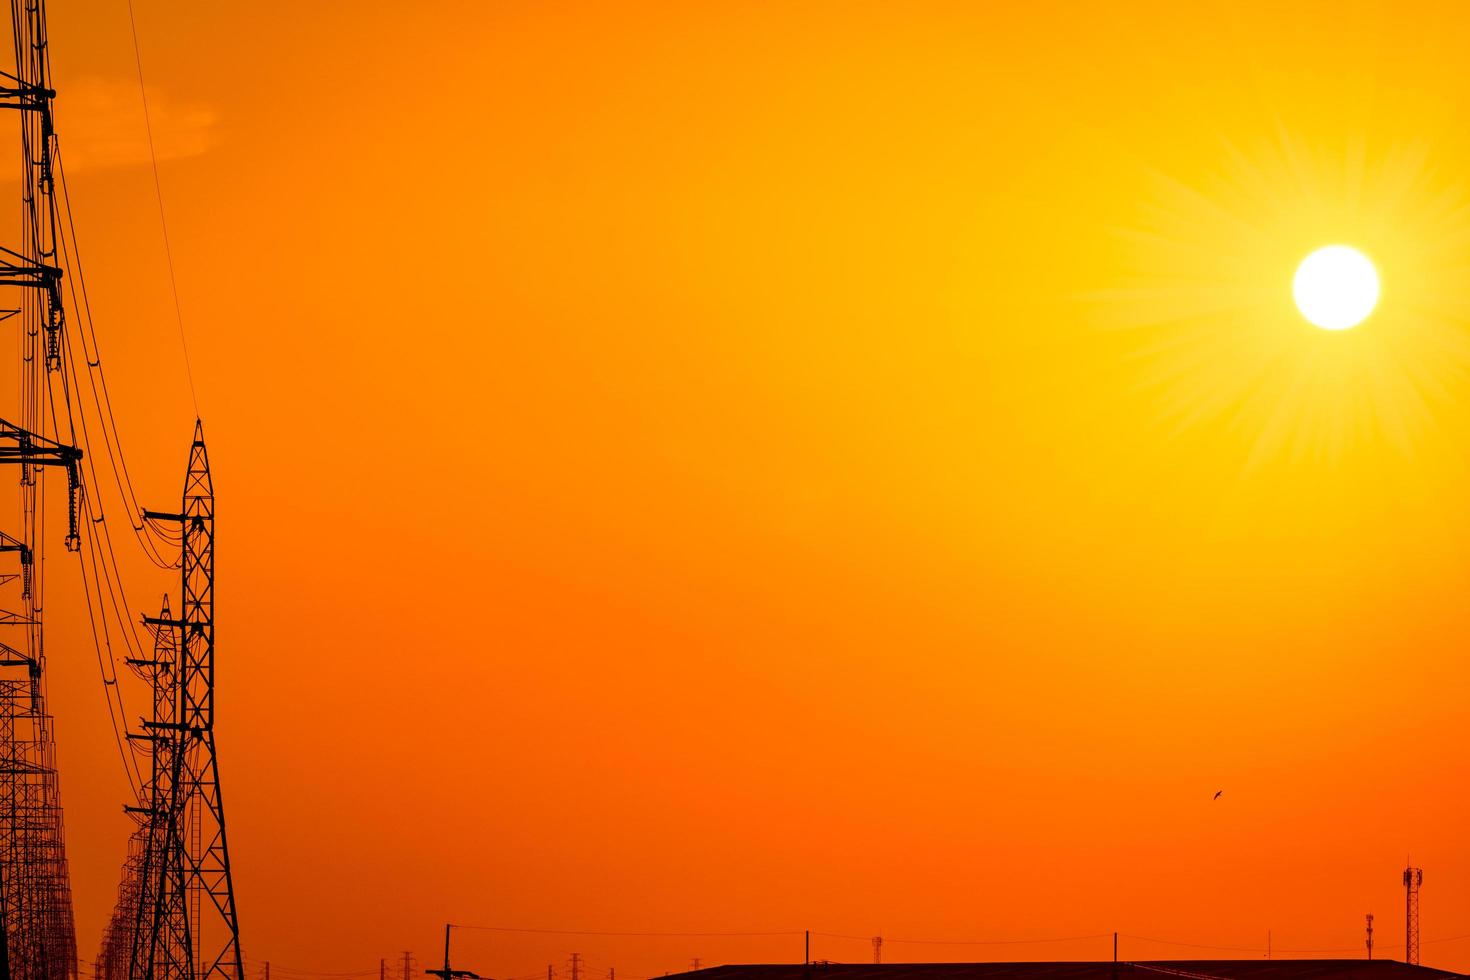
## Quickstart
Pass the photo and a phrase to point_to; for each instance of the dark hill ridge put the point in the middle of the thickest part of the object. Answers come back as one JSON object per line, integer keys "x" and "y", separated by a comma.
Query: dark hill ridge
{"x": 1140, "y": 970}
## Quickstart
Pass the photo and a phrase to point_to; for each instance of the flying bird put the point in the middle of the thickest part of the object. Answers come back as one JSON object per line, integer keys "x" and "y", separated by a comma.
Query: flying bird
{"x": 1217, "y": 795}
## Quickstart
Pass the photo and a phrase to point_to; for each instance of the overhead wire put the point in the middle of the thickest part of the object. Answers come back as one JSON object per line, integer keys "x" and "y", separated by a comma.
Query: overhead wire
{"x": 118, "y": 728}
{"x": 584, "y": 932}
{"x": 102, "y": 400}
{"x": 114, "y": 575}
{"x": 968, "y": 942}
{"x": 162, "y": 217}
{"x": 86, "y": 530}
{"x": 103, "y": 587}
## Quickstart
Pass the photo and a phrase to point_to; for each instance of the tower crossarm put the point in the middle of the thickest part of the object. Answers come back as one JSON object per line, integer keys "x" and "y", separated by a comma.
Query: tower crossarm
{"x": 7, "y": 543}
{"x": 11, "y": 657}
{"x": 17, "y": 93}
{"x": 8, "y": 618}
{"x": 18, "y": 270}
{"x": 19, "y": 445}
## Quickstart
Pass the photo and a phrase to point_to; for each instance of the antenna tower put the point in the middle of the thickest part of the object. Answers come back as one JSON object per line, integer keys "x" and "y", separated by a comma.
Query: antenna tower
{"x": 1370, "y": 935}
{"x": 1413, "y": 878}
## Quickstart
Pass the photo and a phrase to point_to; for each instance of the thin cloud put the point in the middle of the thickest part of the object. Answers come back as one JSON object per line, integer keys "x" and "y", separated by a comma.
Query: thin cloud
{"x": 102, "y": 125}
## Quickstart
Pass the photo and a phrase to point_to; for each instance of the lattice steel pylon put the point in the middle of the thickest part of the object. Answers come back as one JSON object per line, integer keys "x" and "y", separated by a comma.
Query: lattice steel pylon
{"x": 186, "y": 927}
{"x": 37, "y": 934}
{"x": 1413, "y": 878}
{"x": 148, "y": 932}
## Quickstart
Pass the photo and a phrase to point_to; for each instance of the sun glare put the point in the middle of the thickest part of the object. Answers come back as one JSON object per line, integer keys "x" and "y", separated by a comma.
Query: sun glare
{"x": 1336, "y": 287}
{"x": 1216, "y": 276}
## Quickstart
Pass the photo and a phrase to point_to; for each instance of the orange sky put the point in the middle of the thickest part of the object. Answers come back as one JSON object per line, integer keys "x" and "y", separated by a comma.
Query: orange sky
{"x": 766, "y": 466}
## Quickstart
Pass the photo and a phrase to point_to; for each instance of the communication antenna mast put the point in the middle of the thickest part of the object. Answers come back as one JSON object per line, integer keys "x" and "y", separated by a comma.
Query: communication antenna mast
{"x": 1370, "y": 935}
{"x": 1413, "y": 878}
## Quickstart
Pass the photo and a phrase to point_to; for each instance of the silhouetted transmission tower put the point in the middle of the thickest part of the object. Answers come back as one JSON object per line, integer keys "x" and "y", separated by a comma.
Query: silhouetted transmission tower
{"x": 1413, "y": 878}
{"x": 175, "y": 918}
{"x": 37, "y": 934}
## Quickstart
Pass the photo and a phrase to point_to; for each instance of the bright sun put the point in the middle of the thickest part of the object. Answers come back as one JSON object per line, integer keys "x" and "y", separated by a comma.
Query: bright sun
{"x": 1336, "y": 287}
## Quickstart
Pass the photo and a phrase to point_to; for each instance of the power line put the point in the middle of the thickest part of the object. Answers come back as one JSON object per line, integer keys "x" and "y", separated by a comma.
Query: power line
{"x": 162, "y": 218}
{"x": 588, "y": 932}
{"x": 966, "y": 942}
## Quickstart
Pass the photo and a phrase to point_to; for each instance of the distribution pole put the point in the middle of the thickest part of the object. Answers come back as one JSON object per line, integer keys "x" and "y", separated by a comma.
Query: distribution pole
{"x": 576, "y": 962}
{"x": 1370, "y": 935}
{"x": 448, "y": 973}
{"x": 383, "y": 969}
{"x": 808, "y": 947}
{"x": 407, "y": 966}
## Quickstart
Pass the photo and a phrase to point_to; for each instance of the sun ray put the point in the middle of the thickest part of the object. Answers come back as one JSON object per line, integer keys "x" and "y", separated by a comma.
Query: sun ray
{"x": 1210, "y": 296}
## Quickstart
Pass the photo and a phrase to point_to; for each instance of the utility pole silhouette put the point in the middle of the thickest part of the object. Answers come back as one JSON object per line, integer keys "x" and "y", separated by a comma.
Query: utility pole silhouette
{"x": 693, "y": 965}
{"x": 1370, "y": 935}
{"x": 448, "y": 973}
{"x": 877, "y": 949}
{"x": 383, "y": 969}
{"x": 1413, "y": 878}
{"x": 407, "y": 964}
{"x": 576, "y": 963}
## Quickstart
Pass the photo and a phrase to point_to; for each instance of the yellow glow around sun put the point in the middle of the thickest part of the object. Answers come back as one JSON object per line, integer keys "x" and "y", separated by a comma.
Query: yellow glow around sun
{"x": 1218, "y": 340}
{"x": 1336, "y": 287}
